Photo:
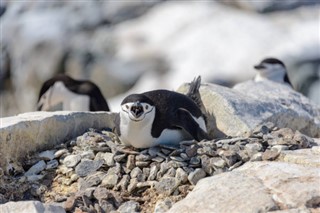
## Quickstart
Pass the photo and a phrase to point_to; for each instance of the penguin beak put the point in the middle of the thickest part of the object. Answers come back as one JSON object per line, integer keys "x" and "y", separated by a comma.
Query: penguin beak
{"x": 259, "y": 66}
{"x": 136, "y": 109}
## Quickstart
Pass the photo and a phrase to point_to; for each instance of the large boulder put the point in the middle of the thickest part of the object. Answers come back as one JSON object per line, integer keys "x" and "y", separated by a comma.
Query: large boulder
{"x": 238, "y": 111}
{"x": 30, "y": 207}
{"x": 30, "y": 132}
{"x": 255, "y": 187}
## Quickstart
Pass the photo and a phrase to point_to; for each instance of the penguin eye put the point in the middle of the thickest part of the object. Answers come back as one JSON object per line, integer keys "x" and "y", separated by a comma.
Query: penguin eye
{"x": 127, "y": 106}
{"x": 147, "y": 107}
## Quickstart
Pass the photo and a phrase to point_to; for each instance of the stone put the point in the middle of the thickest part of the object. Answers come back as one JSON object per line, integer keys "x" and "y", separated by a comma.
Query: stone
{"x": 131, "y": 162}
{"x": 41, "y": 130}
{"x": 30, "y": 207}
{"x": 108, "y": 158}
{"x": 273, "y": 180}
{"x": 94, "y": 179}
{"x": 218, "y": 162}
{"x": 110, "y": 181}
{"x": 237, "y": 113}
{"x": 181, "y": 175}
{"x": 136, "y": 173}
{"x": 71, "y": 160}
{"x": 166, "y": 186}
{"x": 85, "y": 167}
{"x": 128, "y": 207}
{"x": 101, "y": 193}
{"x": 305, "y": 157}
{"x": 87, "y": 155}
{"x": 253, "y": 148}
{"x": 34, "y": 178}
{"x": 52, "y": 164}
{"x": 60, "y": 153}
{"x": 124, "y": 182}
{"x": 132, "y": 185}
{"x": 196, "y": 175}
{"x": 47, "y": 155}
{"x": 270, "y": 154}
{"x": 163, "y": 206}
{"x": 36, "y": 169}
{"x": 257, "y": 157}
{"x": 153, "y": 172}
{"x": 70, "y": 203}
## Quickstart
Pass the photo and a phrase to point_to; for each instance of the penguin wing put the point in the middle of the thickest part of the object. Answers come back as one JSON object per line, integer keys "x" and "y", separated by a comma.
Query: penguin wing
{"x": 184, "y": 120}
{"x": 117, "y": 121}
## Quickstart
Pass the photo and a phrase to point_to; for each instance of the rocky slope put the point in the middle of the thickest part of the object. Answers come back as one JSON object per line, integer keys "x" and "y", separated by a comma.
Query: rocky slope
{"x": 54, "y": 158}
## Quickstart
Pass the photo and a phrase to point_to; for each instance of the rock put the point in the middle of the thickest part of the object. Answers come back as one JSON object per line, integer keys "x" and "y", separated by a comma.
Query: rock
{"x": 110, "y": 181}
{"x": 218, "y": 162}
{"x": 181, "y": 175}
{"x": 128, "y": 207}
{"x": 34, "y": 178}
{"x": 30, "y": 207}
{"x": 270, "y": 154}
{"x": 131, "y": 162}
{"x": 196, "y": 175}
{"x": 87, "y": 155}
{"x": 137, "y": 173}
{"x": 166, "y": 186}
{"x": 305, "y": 157}
{"x": 41, "y": 130}
{"x": 234, "y": 111}
{"x": 108, "y": 158}
{"x": 163, "y": 206}
{"x": 70, "y": 203}
{"x": 256, "y": 157}
{"x": 52, "y": 164}
{"x": 85, "y": 167}
{"x": 273, "y": 180}
{"x": 101, "y": 193}
{"x": 71, "y": 160}
{"x": 36, "y": 169}
{"x": 60, "y": 153}
{"x": 94, "y": 179}
{"x": 47, "y": 155}
{"x": 253, "y": 148}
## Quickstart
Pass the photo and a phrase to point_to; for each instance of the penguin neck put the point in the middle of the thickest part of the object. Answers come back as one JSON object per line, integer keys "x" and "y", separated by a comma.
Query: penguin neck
{"x": 137, "y": 133}
{"x": 277, "y": 76}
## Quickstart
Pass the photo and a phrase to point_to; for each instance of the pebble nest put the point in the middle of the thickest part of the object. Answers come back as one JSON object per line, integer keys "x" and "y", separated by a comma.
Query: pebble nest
{"x": 95, "y": 173}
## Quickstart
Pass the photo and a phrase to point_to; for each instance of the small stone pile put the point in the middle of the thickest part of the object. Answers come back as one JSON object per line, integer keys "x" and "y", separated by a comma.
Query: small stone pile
{"x": 95, "y": 173}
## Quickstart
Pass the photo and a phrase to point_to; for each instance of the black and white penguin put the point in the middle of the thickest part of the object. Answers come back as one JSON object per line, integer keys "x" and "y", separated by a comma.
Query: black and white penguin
{"x": 65, "y": 93}
{"x": 159, "y": 117}
{"x": 272, "y": 69}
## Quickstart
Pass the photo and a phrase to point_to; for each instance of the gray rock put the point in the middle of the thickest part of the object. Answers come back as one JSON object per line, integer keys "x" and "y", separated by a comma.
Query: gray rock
{"x": 71, "y": 160}
{"x": 34, "y": 178}
{"x": 196, "y": 175}
{"x": 108, "y": 158}
{"x": 132, "y": 185}
{"x": 270, "y": 154}
{"x": 129, "y": 206}
{"x": 237, "y": 113}
{"x": 60, "y": 153}
{"x": 166, "y": 186}
{"x": 101, "y": 193}
{"x": 273, "y": 181}
{"x": 124, "y": 182}
{"x": 163, "y": 206}
{"x": 47, "y": 155}
{"x": 181, "y": 175}
{"x": 87, "y": 155}
{"x": 256, "y": 157}
{"x": 94, "y": 179}
{"x": 253, "y": 148}
{"x": 131, "y": 162}
{"x": 218, "y": 162}
{"x": 30, "y": 207}
{"x": 41, "y": 130}
{"x": 85, "y": 167}
{"x": 153, "y": 172}
{"x": 137, "y": 173}
{"x": 52, "y": 164}
{"x": 36, "y": 169}
{"x": 110, "y": 181}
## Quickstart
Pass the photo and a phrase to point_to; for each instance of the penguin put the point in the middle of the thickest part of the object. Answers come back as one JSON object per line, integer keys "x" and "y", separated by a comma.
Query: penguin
{"x": 159, "y": 117}
{"x": 272, "y": 69}
{"x": 65, "y": 93}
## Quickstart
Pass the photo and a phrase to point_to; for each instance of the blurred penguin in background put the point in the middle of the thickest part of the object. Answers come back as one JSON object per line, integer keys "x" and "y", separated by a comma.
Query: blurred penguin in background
{"x": 65, "y": 93}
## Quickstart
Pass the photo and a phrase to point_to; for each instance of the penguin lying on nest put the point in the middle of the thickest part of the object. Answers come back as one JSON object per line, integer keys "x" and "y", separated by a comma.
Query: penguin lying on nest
{"x": 65, "y": 93}
{"x": 161, "y": 117}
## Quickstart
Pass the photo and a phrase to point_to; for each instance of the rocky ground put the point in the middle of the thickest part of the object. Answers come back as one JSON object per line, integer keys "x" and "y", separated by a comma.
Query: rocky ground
{"x": 94, "y": 173}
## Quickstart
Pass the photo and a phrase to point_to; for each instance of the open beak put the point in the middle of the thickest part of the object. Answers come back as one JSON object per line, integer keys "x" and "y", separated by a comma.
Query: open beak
{"x": 136, "y": 109}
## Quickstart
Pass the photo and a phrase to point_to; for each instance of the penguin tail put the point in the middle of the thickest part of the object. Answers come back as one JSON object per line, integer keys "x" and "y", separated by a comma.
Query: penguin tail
{"x": 193, "y": 91}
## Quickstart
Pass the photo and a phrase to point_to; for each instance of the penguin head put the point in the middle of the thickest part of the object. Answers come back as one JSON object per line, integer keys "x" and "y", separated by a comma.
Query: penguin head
{"x": 272, "y": 69}
{"x": 137, "y": 107}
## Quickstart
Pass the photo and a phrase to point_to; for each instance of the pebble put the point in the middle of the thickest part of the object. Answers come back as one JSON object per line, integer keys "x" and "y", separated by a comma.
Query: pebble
{"x": 128, "y": 207}
{"x": 131, "y": 162}
{"x": 218, "y": 162}
{"x": 163, "y": 206}
{"x": 196, "y": 175}
{"x": 158, "y": 159}
{"x": 181, "y": 175}
{"x": 108, "y": 159}
{"x": 85, "y": 167}
{"x": 36, "y": 169}
{"x": 71, "y": 160}
{"x": 270, "y": 154}
{"x": 60, "y": 153}
{"x": 110, "y": 181}
{"x": 87, "y": 155}
{"x": 256, "y": 157}
{"x": 47, "y": 155}
{"x": 166, "y": 186}
{"x": 52, "y": 164}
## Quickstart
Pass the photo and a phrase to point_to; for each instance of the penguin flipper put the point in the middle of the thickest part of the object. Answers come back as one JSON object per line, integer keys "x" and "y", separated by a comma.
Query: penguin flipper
{"x": 186, "y": 122}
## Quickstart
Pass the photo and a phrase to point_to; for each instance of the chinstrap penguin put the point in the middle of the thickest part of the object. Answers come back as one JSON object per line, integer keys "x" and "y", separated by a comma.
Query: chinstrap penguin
{"x": 272, "y": 69}
{"x": 159, "y": 117}
{"x": 65, "y": 93}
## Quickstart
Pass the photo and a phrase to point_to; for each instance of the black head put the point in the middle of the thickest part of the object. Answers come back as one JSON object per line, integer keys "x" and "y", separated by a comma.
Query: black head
{"x": 136, "y": 105}
{"x": 270, "y": 61}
